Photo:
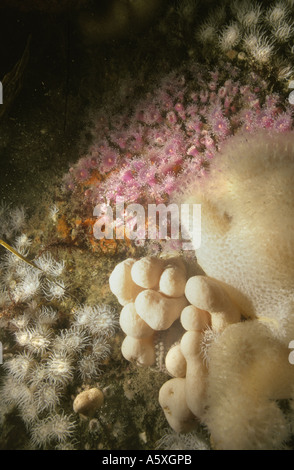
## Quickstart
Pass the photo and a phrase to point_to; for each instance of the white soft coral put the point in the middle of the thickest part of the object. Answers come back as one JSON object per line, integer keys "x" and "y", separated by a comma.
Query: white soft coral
{"x": 248, "y": 249}
{"x": 248, "y": 225}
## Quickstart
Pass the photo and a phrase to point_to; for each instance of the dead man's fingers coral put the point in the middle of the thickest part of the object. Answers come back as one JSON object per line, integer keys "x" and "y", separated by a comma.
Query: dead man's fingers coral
{"x": 175, "y": 362}
{"x": 173, "y": 281}
{"x": 121, "y": 282}
{"x": 172, "y": 399}
{"x": 196, "y": 372}
{"x": 209, "y": 295}
{"x": 132, "y": 324}
{"x": 139, "y": 350}
{"x": 146, "y": 272}
{"x": 195, "y": 319}
{"x": 158, "y": 311}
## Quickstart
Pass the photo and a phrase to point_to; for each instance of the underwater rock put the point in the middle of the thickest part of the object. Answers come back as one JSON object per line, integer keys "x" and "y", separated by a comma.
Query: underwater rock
{"x": 88, "y": 402}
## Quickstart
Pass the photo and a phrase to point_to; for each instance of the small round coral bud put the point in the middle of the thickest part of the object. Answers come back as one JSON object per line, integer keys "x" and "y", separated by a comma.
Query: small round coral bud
{"x": 157, "y": 311}
{"x": 132, "y": 324}
{"x": 147, "y": 271}
{"x": 173, "y": 281}
{"x": 175, "y": 362}
{"x": 195, "y": 319}
{"x": 140, "y": 351}
{"x": 172, "y": 399}
{"x": 121, "y": 283}
{"x": 207, "y": 294}
{"x": 88, "y": 402}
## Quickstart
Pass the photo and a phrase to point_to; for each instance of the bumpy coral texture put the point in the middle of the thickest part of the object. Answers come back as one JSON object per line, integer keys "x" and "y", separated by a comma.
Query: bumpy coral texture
{"x": 247, "y": 247}
{"x": 243, "y": 410}
{"x": 227, "y": 374}
{"x": 247, "y": 225}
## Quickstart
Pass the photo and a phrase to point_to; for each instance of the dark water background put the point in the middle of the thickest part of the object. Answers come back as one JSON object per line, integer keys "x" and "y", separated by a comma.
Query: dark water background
{"x": 67, "y": 74}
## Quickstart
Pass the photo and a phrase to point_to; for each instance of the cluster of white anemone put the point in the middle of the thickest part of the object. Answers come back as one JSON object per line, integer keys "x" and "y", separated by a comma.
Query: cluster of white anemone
{"x": 256, "y": 32}
{"x": 46, "y": 353}
{"x": 24, "y": 282}
{"x": 12, "y": 221}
